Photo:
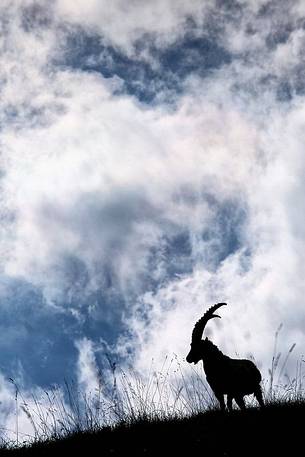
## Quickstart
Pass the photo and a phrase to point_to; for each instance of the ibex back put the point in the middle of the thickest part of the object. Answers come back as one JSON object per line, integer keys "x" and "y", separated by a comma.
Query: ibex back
{"x": 232, "y": 377}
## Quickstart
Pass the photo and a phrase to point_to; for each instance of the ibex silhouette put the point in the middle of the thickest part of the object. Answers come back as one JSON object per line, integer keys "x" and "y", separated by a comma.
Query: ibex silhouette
{"x": 233, "y": 377}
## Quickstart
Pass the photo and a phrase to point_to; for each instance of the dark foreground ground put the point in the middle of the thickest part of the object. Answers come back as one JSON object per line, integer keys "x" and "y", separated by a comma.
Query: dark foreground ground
{"x": 276, "y": 430}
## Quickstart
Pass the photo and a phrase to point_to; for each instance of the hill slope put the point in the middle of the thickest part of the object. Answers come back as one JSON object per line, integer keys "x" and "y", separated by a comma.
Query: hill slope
{"x": 277, "y": 429}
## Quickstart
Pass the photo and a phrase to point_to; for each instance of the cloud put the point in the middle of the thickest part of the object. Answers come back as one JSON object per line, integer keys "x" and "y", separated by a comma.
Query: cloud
{"x": 166, "y": 20}
{"x": 87, "y": 367}
{"x": 111, "y": 195}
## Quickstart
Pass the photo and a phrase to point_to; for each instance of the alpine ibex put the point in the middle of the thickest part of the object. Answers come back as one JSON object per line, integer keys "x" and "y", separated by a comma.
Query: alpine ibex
{"x": 233, "y": 377}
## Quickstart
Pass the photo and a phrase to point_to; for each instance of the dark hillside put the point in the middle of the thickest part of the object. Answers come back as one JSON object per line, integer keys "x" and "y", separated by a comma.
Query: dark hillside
{"x": 278, "y": 429}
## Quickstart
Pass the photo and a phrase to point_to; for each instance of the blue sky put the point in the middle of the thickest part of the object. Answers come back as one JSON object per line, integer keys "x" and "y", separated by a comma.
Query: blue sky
{"x": 151, "y": 164}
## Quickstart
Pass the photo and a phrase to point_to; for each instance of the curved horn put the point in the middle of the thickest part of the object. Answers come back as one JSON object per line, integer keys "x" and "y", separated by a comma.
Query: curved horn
{"x": 200, "y": 325}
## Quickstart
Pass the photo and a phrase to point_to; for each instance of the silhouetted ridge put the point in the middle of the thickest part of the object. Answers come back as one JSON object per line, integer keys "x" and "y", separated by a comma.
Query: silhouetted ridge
{"x": 276, "y": 429}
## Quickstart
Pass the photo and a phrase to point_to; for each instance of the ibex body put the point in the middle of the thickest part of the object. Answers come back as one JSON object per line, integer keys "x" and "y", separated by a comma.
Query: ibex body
{"x": 232, "y": 377}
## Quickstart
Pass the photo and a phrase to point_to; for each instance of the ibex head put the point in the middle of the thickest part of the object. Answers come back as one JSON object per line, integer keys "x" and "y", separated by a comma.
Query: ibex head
{"x": 197, "y": 344}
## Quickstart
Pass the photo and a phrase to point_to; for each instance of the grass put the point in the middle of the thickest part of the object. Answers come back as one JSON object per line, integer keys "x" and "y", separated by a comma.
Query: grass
{"x": 166, "y": 412}
{"x": 213, "y": 433}
{"x": 125, "y": 399}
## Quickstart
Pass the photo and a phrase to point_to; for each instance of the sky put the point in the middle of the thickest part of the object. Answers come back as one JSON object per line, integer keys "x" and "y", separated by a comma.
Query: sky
{"x": 152, "y": 164}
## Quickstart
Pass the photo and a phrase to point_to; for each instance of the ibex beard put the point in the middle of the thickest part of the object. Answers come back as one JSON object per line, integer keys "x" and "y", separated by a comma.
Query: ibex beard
{"x": 226, "y": 376}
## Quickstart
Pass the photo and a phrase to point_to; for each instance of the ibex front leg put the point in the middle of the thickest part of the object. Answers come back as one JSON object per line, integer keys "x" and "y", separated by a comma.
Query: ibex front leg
{"x": 229, "y": 402}
{"x": 240, "y": 401}
{"x": 221, "y": 400}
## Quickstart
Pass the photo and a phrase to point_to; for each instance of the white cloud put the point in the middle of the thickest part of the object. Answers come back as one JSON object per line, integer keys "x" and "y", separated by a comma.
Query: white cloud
{"x": 87, "y": 369}
{"x": 122, "y": 24}
{"x": 264, "y": 289}
{"x": 106, "y": 189}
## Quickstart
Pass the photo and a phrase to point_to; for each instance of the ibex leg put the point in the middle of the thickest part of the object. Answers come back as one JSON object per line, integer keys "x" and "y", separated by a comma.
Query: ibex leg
{"x": 259, "y": 396}
{"x": 240, "y": 402}
{"x": 229, "y": 402}
{"x": 221, "y": 400}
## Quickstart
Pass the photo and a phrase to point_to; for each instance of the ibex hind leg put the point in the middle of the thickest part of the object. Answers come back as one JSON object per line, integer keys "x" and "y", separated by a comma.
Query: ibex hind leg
{"x": 259, "y": 396}
{"x": 240, "y": 402}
